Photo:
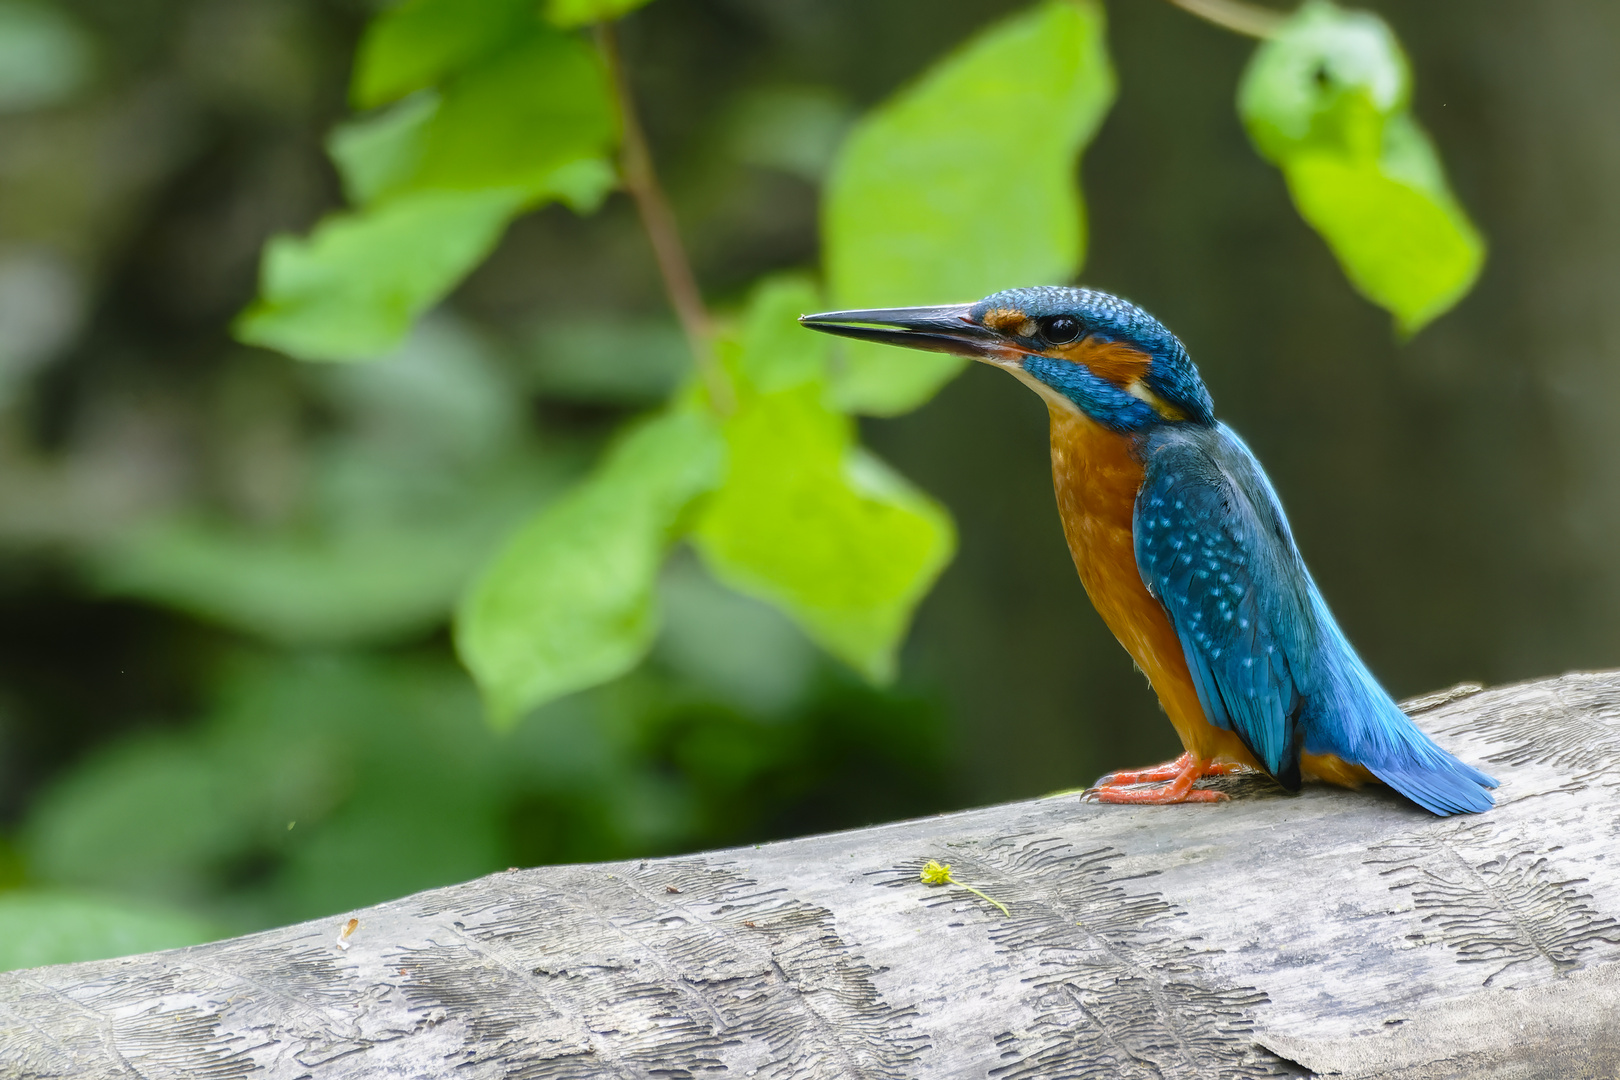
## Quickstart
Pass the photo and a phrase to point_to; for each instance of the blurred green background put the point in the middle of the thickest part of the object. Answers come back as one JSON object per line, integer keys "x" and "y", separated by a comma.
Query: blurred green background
{"x": 227, "y": 693}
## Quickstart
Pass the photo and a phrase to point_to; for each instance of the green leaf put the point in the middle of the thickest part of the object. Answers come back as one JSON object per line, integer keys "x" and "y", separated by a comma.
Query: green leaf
{"x": 1327, "y": 100}
{"x": 1409, "y": 252}
{"x": 439, "y": 176}
{"x": 147, "y": 816}
{"x": 745, "y": 652}
{"x": 340, "y": 780}
{"x": 524, "y": 114}
{"x": 813, "y": 524}
{"x": 420, "y": 42}
{"x": 537, "y": 116}
{"x": 964, "y": 184}
{"x": 386, "y": 581}
{"x": 581, "y": 184}
{"x": 519, "y": 116}
{"x": 580, "y": 12}
{"x": 352, "y": 288}
{"x": 422, "y": 468}
{"x": 382, "y": 153}
{"x": 806, "y": 519}
{"x": 570, "y": 602}
{"x": 1320, "y": 80}
{"x": 777, "y": 353}
{"x": 52, "y": 926}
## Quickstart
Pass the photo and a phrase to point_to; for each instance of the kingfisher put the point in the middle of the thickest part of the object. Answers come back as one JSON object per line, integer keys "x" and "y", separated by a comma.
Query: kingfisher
{"x": 1183, "y": 548}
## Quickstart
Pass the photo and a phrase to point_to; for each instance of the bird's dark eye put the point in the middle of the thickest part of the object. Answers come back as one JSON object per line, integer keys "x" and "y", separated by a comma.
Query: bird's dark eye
{"x": 1060, "y": 329}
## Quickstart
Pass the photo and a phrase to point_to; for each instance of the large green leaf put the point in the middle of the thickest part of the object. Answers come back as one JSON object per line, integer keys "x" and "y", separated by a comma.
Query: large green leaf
{"x": 580, "y": 12}
{"x": 514, "y": 119}
{"x": 966, "y": 183}
{"x": 1327, "y": 100}
{"x": 420, "y": 42}
{"x": 352, "y": 288}
{"x": 382, "y": 154}
{"x": 570, "y": 601}
{"x": 776, "y": 352}
{"x": 53, "y": 926}
{"x": 516, "y": 122}
{"x": 548, "y": 146}
{"x": 806, "y": 519}
{"x": 539, "y": 104}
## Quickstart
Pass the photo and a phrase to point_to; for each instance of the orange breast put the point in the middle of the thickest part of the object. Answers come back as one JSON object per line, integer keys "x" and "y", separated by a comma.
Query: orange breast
{"x": 1096, "y": 475}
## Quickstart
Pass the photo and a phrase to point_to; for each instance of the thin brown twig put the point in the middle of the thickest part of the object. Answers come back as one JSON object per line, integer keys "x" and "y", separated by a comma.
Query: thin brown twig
{"x": 1236, "y": 16}
{"x": 641, "y": 181}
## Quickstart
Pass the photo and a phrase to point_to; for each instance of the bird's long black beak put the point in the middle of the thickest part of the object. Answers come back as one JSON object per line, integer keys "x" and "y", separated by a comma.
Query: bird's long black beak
{"x": 948, "y": 329}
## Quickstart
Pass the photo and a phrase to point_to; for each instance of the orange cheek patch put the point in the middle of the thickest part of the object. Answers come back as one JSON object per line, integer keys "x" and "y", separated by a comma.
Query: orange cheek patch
{"x": 1115, "y": 361}
{"x": 1009, "y": 321}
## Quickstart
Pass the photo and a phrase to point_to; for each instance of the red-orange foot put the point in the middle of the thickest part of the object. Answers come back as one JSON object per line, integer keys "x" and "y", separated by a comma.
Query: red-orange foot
{"x": 1173, "y": 783}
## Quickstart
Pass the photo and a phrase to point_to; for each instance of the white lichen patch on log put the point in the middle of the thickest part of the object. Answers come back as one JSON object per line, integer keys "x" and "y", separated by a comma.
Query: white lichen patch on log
{"x": 1330, "y": 933}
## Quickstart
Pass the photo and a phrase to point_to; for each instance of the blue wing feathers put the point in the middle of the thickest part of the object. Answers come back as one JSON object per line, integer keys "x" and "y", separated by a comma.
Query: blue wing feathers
{"x": 1266, "y": 656}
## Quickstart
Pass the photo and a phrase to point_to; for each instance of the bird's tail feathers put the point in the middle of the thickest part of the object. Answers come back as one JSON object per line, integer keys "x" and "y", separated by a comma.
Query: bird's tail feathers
{"x": 1371, "y": 730}
{"x": 1447, "y": 787}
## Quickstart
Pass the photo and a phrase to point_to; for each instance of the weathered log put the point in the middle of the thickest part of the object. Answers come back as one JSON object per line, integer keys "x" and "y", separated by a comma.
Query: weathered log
{"x": 1331, "y": 932}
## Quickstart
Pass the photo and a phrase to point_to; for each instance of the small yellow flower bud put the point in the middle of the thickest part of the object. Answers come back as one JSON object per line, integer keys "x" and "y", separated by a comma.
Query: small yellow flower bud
{"x": 938, "y": 873}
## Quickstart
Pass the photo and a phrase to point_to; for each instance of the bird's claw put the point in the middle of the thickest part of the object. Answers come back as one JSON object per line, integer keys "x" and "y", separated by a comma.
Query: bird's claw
{"x": 1170, "y": 771}
{"x": 1154, "y": 795}
{"x": 1171, "y": 782}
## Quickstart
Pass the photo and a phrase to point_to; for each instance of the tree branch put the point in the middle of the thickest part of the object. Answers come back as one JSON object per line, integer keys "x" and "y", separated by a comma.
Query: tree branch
{"x": 641, "y": 181}
{"x": 1250, "y": 20}
{"x": 1346, "y": 933}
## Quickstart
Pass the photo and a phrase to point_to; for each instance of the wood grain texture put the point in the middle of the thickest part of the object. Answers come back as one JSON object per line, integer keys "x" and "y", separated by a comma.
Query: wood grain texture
{"x": 1330, "y": 933}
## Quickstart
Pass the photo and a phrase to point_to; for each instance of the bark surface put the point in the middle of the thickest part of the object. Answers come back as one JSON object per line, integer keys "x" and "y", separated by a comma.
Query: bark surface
{"x": 1330, "y": 933}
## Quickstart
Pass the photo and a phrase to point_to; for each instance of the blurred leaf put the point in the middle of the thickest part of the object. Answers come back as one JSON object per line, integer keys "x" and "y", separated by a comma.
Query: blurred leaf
{"x": 581, "y": 184}
{"x": 420, "y": 42}
{"x": 516, "y": 118}
{"x": 806, "y": 519}
{"x": 1303, "y": 85}
{"x": 440, "y": 175}
{"x": 796, "y": 129}
{"x": 424, "y": 468}
{"x": 384, "y": 155}
{"x": 1411, "y": 251}
{"x": 443, "y": 401}
{"x": 13, "y": 874}
{"x": 313, "y": 785}
{"x": 813, "y": 524}
{"x": 745, "y": 651}
{"x": 380, "y": 154}
{"x": 1327, "y": 100}
{"x": 44, "y": 56}
{"x": 580, "y": 12}
{"x": 151, "y": 817}
{"x": 640, "y": 363}
{"x": 776, "y": 352}
{"x": 964, "y": 184}
{"x": 569, "y": 603}
{"x": 351, "y": 290}
{"x": 40, "y": 926}
{"x": 362, "y": 585}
